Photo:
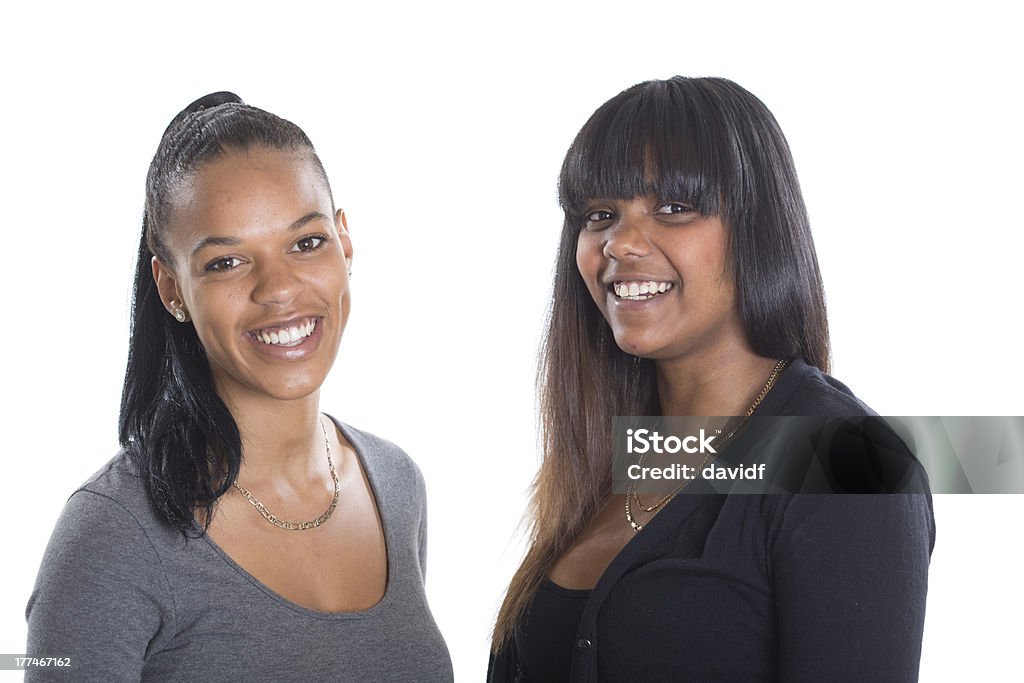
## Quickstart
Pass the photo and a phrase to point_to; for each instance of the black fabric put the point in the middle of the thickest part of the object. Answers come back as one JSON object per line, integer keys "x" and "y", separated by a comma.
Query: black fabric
{"x": 547, "y": 635}
{"x": 782, "y": 587}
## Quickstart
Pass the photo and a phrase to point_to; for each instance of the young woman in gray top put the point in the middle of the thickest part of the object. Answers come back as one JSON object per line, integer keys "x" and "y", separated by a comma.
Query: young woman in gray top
{"x": 239, "y": 534}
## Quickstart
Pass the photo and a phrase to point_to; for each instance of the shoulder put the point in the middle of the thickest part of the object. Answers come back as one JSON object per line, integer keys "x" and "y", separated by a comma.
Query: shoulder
{"x": 117, "y": 487}
{"x": 842, "y": 446}
{"x": 107, "y": 537}
{"x": 112, "y": 511}
{"x": 108, "y": 528}
{"x": 803, "y": 389}
{"x": 386, "y": 462}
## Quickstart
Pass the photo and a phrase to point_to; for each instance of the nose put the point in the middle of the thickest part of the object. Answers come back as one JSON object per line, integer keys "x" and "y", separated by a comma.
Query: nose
{"x": 626, "y": 239}
{"x": 276, "y": 283}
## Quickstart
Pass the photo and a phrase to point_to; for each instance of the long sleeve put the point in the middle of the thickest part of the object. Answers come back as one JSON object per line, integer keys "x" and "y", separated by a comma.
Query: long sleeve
{"x": 851, "y": 576}
{"x": 101, "y": 596}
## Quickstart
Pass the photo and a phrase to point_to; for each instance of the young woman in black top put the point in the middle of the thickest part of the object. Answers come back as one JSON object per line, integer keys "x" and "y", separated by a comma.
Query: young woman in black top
{"x": 687, "y": 284}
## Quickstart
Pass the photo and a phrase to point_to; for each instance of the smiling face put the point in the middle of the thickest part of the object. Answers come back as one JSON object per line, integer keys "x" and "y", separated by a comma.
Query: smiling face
{"x": 260, "y": 264}
{"x": 662, "y": 276}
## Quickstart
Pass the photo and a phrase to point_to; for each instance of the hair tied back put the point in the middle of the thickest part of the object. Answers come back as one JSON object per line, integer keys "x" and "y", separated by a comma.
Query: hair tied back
{"x": 214, "y": 99}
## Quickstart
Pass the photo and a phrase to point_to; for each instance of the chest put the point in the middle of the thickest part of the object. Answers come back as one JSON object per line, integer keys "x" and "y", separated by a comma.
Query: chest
{"x": 604, "y": 537}
{"x": 689, "y": 593}
{"x": 340, "y": 566}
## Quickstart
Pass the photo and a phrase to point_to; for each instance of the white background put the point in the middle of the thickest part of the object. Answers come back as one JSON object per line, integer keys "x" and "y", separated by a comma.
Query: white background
{"x": 442, "y": 128}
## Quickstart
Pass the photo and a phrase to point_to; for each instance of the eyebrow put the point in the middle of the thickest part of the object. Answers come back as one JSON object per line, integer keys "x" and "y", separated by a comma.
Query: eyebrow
{"x": 234, "y": 241}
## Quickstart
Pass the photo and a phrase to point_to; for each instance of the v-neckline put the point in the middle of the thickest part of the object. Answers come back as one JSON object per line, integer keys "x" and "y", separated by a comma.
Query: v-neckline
{"x": 367, "y": 469}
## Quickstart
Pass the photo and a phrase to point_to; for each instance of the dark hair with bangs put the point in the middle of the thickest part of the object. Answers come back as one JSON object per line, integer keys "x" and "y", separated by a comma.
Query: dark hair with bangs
{"x": 173, "y": 424}
{"x": 713, "y": 145}
{"x": 710, "y": 143}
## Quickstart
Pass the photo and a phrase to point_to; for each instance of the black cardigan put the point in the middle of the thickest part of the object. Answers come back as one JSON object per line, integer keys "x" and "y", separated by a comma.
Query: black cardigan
{"x": 777, "y": 587}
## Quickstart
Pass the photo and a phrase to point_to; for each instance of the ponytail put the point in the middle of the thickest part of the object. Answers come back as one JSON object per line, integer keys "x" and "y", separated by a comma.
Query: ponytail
{"x": 173, "y": 424}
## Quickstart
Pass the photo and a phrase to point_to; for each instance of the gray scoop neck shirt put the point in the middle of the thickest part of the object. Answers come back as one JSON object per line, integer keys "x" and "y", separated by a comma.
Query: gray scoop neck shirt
{"x": 128, "y": 598}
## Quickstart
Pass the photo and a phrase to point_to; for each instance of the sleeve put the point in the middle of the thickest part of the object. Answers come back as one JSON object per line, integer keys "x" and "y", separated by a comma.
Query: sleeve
{"x": 851, "y": 578}
{"x": 421, "y": 491}
{"x": 101, "y": 596}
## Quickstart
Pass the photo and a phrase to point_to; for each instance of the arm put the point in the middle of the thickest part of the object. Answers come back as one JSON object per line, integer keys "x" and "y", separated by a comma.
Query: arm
{"x": 421, "y": 491}
{"x": 851, "y": 576}
{"x": 101, "y": 596}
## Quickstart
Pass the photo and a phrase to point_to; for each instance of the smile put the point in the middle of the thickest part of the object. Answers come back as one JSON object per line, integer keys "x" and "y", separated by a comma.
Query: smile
{"x": 640, "y": 291}
{"x": 290, "y": 335}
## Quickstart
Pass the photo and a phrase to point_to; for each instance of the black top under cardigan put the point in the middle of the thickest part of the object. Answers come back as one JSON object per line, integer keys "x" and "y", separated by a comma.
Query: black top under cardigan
{"x": 778, "y": 587}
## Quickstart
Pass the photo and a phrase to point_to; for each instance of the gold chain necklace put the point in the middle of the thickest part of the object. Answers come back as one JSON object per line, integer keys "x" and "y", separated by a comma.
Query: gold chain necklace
{"x": 635, "y": 497}
{"x": 299, "y": 526}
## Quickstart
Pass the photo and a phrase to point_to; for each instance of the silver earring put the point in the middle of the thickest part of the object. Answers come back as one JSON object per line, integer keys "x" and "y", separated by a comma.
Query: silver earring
{"x": 180, "y": 314}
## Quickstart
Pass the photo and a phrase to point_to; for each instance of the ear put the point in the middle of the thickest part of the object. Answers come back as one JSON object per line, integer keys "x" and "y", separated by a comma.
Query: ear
{"x": 341, "y": 224}
{"x": 167, "y": 286}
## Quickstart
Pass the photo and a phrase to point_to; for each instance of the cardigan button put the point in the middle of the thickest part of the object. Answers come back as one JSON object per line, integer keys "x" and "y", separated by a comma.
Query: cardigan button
{"x": 583, "y": 644}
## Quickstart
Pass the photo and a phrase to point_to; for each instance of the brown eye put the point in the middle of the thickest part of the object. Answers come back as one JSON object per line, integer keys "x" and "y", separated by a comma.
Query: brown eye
{"x": 675, "y": 208}
{"x": 595, "y": 220}
{"x": 311, "y": 243}
{"x": 222, "y": 264}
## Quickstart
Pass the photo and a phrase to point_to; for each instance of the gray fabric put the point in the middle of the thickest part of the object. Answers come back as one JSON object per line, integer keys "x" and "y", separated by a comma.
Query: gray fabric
{"x": 129, "y": 598}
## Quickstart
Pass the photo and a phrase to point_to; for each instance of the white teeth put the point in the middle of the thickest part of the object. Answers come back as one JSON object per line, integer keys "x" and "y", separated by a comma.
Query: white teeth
{"x": 286, "y": 336}
{"x": 640, "y": 291}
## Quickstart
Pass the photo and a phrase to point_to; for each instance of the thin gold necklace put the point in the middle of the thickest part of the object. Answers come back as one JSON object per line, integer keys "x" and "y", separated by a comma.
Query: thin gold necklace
{"x": 299, "y": 526}
{"x": 632, "y": 494}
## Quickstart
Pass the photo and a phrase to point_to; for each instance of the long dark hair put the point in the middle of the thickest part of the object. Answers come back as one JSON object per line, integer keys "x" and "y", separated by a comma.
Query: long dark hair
{"x": 713, "y": 145}
{"x": 173, "y": 424}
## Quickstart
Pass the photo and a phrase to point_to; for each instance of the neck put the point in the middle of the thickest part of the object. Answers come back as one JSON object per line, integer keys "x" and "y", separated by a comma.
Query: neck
{"x": 279, "y": 438}
{"x": 718, "y": 382}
